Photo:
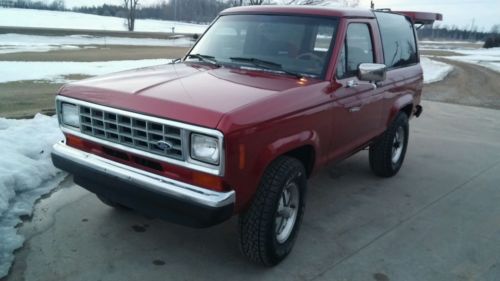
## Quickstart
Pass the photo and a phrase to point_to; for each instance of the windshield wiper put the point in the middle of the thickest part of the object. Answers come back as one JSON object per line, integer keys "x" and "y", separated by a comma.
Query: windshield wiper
{"x": 267, "y": 65}
{"x": 204, "y": 58}
{"x": 174, "y": 61}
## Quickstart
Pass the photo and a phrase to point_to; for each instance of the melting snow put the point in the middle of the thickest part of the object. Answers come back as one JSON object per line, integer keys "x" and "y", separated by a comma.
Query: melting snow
{"x": 26, "y": 173}
{"x": 71, "y": 20}
{"x": 56, "y": 71}
{"x": 14, "y": 43}
{"x": 434, "y": 71}
{"x": 489, "y": 58}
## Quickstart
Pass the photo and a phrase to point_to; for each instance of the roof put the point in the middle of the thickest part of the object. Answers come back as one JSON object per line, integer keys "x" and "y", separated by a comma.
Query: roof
{"x": 301, "y": 10}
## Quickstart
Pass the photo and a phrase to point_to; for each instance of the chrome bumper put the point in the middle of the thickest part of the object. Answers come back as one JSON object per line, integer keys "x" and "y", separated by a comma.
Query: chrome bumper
{"x": 172, "y": 188}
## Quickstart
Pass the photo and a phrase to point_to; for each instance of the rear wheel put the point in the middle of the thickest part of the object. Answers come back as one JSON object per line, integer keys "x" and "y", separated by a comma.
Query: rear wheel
{"x": 388, "y": 152}
{"x": 268, "y": 229}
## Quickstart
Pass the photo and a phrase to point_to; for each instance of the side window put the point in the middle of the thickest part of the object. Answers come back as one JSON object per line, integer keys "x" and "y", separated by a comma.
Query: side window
{"x": 358, "y": 48}
{"x": 398, "y": 40}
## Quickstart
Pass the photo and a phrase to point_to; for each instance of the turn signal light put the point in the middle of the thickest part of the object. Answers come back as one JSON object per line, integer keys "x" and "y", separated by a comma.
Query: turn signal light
{"x": 207, "y": 181}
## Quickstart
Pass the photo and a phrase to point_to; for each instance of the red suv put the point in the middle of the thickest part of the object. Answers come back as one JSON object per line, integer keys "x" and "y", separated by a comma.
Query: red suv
{"x": 266, "y": 97}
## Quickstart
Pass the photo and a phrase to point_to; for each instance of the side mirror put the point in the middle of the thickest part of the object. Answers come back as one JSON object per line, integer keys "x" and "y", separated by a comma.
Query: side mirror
{"x": 372, "y": 72}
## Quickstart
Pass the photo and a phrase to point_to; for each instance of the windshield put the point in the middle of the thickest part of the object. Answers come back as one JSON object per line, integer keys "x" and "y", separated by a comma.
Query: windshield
{"x": 291, "y": 44}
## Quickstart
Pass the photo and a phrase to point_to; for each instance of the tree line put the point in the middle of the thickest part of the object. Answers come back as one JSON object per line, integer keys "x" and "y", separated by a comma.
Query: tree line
{"x": 454, "y": 33}
{"x": 55, "y": 5}
{"x": 204, "y": 11}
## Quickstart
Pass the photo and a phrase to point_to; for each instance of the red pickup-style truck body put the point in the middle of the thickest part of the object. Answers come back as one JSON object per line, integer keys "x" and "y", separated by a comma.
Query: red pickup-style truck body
{"x": 259, "y": 117}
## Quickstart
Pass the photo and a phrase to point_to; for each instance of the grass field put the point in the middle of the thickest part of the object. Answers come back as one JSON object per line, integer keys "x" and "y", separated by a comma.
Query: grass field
{"x": 23, "y": 99}
{"x": 99, "y": 53}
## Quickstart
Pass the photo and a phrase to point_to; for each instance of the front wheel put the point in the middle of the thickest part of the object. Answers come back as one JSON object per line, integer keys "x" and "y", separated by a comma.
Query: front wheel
{"x": 268, "y": 229}
{"x": 388, "y": 152}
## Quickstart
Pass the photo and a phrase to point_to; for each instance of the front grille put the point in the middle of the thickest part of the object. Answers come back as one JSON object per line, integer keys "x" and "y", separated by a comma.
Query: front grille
{"x": 133, "y": 132}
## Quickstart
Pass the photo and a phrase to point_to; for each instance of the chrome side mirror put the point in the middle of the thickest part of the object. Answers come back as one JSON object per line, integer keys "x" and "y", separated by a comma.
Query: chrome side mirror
{"x": 372, "y": 72}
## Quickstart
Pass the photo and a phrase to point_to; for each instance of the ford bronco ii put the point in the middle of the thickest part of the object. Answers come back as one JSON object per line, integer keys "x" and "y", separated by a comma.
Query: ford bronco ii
{"x": 266, "y": 97}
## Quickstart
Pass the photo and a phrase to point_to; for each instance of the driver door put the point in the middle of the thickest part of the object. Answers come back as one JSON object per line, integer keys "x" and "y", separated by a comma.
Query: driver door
{"x": 357, "y": 104}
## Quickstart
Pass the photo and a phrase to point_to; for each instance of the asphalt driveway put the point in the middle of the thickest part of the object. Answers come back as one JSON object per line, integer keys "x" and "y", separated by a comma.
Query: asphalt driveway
{"x": 438, "y": 219}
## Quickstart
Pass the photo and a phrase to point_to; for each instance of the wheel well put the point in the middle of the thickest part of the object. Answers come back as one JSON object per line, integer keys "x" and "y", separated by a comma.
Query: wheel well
{"x": 304, "y": 154}
{"x": 408, "y": 109}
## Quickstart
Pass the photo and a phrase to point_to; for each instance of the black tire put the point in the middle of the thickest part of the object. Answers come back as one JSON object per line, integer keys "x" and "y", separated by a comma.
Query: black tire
{"x": 383, "y": 160}
{"x": 111, "y": 203}
{"x": 259, "y": 236}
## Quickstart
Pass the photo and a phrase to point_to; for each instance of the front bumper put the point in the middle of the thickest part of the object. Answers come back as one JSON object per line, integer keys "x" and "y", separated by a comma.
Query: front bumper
{"x": 150, "y": 194}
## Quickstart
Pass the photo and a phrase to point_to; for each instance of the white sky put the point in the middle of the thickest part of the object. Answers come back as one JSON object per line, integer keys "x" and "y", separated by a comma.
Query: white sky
{"x": 456, "y": 12}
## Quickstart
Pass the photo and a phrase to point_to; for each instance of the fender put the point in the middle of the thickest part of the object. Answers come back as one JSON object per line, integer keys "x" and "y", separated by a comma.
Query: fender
{"x": 399, "y": 103}
{"x": 286, "y": 144}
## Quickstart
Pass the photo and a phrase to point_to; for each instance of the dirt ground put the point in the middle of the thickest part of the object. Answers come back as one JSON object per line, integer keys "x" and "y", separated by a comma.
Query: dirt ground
{"x": 23, "y": 99}
{"x": 100, "y": 53}
{"x": 467, "y": 84}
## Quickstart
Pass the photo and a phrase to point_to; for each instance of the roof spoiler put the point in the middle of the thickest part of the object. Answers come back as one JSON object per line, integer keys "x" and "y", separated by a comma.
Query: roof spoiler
{"x": 421, "y": 17}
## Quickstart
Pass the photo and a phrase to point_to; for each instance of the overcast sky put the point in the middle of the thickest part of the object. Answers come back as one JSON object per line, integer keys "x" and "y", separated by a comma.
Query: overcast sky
{"x": 456, "y": 12}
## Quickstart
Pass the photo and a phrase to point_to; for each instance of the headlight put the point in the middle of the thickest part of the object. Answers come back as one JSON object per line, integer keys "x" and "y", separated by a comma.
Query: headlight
{"x": 69, "y": 115}
{"x": 205, "y": 149}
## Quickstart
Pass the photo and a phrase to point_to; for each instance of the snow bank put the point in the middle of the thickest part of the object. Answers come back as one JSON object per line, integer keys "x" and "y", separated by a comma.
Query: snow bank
{"x": 71, "y": 20}
{"x": 489, "y": 58}
{"x": 449, "y": 42}
{"x": 434, "y": 71}
{"x": 14, "y": 43}
{"x": 26, "y": 173}
{"x": 55, "y": 71}
{"x": 491, "y": 52}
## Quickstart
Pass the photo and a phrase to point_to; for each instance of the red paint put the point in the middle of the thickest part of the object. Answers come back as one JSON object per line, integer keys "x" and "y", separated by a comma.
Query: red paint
{"x": 421, "y": 17}
{"x": 261, "y": 115}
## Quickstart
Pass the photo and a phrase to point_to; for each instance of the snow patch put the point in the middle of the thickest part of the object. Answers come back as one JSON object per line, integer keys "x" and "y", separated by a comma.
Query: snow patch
{"x": 434, "y": 71}
{"x": 14, "y": 43}
{"x": 489, "y": 58}
{"x": 56, "y": 71}
{"x": 72, "y": 20}
{"x": 26, "y": 173}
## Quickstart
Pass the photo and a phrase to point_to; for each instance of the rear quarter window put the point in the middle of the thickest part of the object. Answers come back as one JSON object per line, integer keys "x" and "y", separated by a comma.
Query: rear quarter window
{"x": 398, "y": 40}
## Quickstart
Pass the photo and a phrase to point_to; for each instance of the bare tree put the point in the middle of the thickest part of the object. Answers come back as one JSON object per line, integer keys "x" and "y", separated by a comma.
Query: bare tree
{"x": 495, "y": 28}
{"x": 131, "y": 8}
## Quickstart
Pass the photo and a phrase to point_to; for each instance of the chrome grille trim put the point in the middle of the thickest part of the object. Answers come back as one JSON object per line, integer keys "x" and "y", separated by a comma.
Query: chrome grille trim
{"x": 186, "y": 130}
{"x": 134, "y": 132}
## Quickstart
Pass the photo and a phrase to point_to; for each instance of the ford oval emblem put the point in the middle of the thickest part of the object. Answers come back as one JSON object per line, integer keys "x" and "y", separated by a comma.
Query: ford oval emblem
{"x": 165, "y": 145}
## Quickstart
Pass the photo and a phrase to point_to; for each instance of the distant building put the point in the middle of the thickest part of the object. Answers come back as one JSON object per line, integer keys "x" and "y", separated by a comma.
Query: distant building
{"x": 7, "y": 3}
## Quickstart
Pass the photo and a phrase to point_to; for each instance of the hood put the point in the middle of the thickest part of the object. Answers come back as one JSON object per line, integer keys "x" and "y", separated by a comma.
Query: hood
{"x": 189, "y": 93}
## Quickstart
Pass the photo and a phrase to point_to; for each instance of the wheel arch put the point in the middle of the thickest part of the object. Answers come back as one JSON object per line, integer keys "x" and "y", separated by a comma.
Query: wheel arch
{"x": 302, "y": 146}
{"x": 306, "y": 154}
{"x": 404, "y": 104}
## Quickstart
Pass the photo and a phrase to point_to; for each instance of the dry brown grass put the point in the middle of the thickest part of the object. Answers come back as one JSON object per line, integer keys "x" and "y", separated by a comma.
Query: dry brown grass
{"x": 23, "y": 99}
{"x": 100, "y": 53}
